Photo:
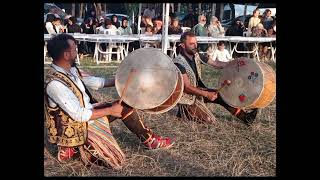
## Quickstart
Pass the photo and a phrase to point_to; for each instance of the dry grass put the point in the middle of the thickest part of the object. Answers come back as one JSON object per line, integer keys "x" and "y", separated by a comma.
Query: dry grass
{"x": 228, "y": 148}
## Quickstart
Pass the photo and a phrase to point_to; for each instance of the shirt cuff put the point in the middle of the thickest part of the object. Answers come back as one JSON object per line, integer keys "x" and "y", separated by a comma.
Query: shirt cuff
{"x": 86, "y": 115}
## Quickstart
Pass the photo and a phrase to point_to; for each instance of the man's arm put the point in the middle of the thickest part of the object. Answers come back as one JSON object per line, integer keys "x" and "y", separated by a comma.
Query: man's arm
{"x": 114, "y": 110}
{"x": 215, "y": 64}
{"x": 96, "y": 82}
{"x": 67, "y": 100}
{"x": 109, "y": 82}
{"x": 190, "y": 89}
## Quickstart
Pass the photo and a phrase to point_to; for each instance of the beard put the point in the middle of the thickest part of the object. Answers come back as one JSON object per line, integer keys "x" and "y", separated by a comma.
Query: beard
{"x": 73, "y": 62}
{"x": 191, "y": 51}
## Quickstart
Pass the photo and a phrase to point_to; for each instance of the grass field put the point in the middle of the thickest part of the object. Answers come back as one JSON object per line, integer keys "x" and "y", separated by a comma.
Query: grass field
{"x": 228, "y": 148}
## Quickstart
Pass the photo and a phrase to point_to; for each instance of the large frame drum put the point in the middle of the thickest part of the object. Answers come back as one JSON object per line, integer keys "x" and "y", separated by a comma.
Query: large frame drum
{"x": 155, "y": 85}
{"x": 253, "y": 84}
{"x": 172, "y": 100}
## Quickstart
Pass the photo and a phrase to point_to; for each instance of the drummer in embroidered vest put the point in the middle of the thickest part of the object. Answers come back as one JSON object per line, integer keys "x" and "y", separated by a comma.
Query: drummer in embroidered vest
{"x": 192, "y": 104}
{"x": 76, "y": 122}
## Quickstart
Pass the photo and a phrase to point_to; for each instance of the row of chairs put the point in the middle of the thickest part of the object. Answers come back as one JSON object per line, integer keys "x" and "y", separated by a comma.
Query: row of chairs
{"x": 119, "y": 49}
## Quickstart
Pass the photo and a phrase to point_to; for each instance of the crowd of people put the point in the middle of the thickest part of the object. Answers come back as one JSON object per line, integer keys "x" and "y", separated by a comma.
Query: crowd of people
{"x": 258, "y": 26}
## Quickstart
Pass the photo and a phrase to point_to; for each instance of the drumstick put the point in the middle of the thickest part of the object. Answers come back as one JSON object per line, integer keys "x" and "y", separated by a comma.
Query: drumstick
{"x": 126, "y": 85}
{"x": 225, "y": 82}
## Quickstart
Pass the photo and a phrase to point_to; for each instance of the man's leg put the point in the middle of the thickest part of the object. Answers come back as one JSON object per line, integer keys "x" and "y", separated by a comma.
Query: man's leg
{"x": 135, "y": 124}
{"x": 197, "y": 112}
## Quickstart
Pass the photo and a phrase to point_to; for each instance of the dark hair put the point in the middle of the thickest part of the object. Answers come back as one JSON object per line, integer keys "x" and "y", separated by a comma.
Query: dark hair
{"x": 57, "y": 19}
{"x": 124, "y": 19}
{"x": 185, "y": 35}
{"x": 107, "y": 22}
{"x": 58, "y": 45}
{"x": 220, "y": 43}
{"x": 65, "y": 21}
{"x": 73, "y": 20}
{"x": 174, "y": 19}
{"x": 268, "y": 10}
{"x": 114, "y": 16}
{"x": 87, "y": 21}
{"x": 254, "y": 11}
{"x": 50, "y": 17}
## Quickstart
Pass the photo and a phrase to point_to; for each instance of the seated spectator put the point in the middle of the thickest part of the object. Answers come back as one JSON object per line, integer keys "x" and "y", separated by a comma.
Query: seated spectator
{"x": 124, "y": 28}
{"x": 49, "y": 25}
{"x": 271, "y": 33}
{"x": 108, "y": 25}
{"x": 174, "y": 28}
{"x": 236, "y": 29}
{"x": 259, "y": 31}
{"x": 73, "y": 27}
{"x": 115, "y": 21}
{"x": 100, "y": 22}
{"x": 88, "y": 26}
{"x": 215, "y": 29}
{"x": 264, "y": 53}
{"x": 201, "y": 30}
{"x": 254, "y": 20}
{"x": 267, "y": 19}
{"x": 157, "y": 25}
{"x": 221, "y": 54}
{"x": 58, "y": 25}
{"x": 148, "y": 21}
{"x": 149, "y": 30}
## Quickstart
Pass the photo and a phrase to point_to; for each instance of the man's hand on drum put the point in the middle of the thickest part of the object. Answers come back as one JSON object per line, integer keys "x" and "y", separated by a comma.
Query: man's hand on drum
{"x": 116, "y": 109}
{"x": 211, "y": 95}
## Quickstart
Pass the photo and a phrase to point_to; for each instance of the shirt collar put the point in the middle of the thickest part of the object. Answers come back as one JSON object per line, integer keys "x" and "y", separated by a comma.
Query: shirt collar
{"x": 60, "y": 69}
{"x": 186, "y": 57}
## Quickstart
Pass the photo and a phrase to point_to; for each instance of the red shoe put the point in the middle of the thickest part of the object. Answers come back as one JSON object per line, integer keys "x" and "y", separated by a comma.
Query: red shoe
{"x": 65, "y": 153}
{"x": 158, "y": 142}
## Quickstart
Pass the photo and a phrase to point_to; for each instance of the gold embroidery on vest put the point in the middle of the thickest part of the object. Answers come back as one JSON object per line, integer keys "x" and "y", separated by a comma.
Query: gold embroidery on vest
{"x": 62, "y": 129}
{"x": 188, "y": 98}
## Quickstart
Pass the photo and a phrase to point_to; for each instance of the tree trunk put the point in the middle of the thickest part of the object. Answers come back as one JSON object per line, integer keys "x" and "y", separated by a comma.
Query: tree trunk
{"x": 213, "y": 11}
{"x": 98, "y": 9}
{"x": 95, "y": 7}
{"x": 73, "y": 9}
{"x": 81, "y": 10}
{"x": 233, "y": 12}
{"x": 245, "y": 9}
{"x": 221, "y": 11}
{"x": 105, "y": 7}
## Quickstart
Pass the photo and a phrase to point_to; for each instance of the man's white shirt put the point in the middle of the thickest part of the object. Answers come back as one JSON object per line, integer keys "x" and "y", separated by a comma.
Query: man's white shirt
{"x": 60, "y": 94}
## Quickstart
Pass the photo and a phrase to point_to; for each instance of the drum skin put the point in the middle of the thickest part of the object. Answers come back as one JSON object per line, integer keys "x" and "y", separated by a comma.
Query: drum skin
{"x": 153, "y": 81}
{"x": 172, "y": 101}
{"x": 253, "y": 84}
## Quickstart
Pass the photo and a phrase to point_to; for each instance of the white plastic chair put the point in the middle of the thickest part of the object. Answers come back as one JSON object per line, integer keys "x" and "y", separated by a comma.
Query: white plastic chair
{"x": 109, "y": 48}
{"x": 185, "y": 29}
{"x": 247, "y": 33}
